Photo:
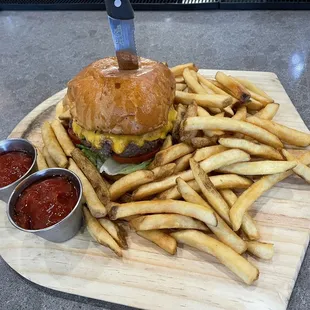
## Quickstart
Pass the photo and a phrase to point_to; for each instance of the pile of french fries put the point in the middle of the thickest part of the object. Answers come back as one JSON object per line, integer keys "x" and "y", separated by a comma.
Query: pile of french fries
{"x": 223, "y": 141}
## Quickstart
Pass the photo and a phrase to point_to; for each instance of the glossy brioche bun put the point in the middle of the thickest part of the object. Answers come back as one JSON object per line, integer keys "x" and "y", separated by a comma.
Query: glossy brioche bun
{"x": 130, "y": 102}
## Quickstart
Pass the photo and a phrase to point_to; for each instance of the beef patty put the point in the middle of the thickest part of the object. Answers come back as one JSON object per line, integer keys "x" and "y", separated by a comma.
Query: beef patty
{"x": 132, "y": 150}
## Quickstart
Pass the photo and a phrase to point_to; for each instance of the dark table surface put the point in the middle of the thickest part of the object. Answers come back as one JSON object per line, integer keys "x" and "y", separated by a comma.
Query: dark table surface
{"x": 41, "y": 51}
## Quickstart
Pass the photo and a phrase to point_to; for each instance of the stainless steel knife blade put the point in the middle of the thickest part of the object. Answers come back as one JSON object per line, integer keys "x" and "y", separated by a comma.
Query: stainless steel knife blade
{"x": 123, "y": 34}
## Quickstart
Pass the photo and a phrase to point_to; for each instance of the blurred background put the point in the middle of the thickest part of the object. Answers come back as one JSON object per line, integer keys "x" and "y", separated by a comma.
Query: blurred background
{"x": 158, "y": 4}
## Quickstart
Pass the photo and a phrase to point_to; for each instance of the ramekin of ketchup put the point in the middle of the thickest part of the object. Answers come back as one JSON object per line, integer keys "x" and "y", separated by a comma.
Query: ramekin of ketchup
{"x": 13, "y": 165}
{"x": 48, "y": 203}
{"x": 17, "y": 161}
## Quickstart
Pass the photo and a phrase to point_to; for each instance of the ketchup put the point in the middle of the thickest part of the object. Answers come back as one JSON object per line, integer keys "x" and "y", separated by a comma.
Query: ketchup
{"x": 45, "y": 203}
{"x": 13, "y": 165}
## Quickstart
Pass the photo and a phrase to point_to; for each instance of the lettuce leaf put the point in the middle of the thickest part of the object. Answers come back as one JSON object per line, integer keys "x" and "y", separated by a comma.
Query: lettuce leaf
{"x": 112, "y": 167}
{"x": 94, "y": 157}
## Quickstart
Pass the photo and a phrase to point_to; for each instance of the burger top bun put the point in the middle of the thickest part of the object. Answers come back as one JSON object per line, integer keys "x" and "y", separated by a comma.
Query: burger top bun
{"x": 129, "y": 102}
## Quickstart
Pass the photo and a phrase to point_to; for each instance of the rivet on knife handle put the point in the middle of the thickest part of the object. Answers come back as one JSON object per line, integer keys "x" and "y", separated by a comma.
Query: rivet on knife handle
{"x": 121, "y": 19}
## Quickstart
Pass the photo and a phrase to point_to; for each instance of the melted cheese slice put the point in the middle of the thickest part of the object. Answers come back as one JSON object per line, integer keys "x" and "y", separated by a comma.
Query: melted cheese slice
{"x": 120, "y": 142}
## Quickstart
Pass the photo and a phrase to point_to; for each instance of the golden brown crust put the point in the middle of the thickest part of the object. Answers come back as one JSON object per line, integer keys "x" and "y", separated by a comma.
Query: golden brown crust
{"x": 102, "y": 97}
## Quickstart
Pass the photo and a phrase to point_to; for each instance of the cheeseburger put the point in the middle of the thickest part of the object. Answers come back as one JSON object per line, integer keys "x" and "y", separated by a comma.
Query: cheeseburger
{"x": 121, "y": 116}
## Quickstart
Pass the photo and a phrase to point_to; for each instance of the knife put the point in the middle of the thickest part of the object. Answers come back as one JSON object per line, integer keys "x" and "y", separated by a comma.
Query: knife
{"x": 121, "y": 16}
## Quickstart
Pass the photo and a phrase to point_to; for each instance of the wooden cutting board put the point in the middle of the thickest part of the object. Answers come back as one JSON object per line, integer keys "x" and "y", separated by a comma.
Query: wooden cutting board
{"x": 148, "y": 278}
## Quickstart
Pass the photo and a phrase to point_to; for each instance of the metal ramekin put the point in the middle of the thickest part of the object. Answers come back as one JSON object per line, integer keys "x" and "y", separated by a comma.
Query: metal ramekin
{"x": 67, "y": 227}
{"x": 10, "y": 145}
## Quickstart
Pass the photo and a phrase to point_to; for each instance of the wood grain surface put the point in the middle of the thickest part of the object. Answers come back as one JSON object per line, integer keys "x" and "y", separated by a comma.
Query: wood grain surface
{"x": 148, "y": 278}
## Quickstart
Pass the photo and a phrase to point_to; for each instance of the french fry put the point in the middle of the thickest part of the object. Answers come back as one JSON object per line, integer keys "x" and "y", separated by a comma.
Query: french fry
{"x": 301, "y": 170}
{"x": 261, "y": 249}
{"x": 222, "y": 87}
{"x": 178, "y": 70}
{"x": 219, "y": 182}
{"x": 199, "y": 142}
{"x": 203, "y": 99}
{"x": 259, "y": 98}
{"x": 222, "y": 230}
{"x": 253, "y": 96}
{"x": 166, "y": 221}
{"x": 190, "y": 112}
{"x": 228, "y": 124}
{"x": 125, "y": 198}
{"x": 100, "y": 186}
{"x": 62, "y": 111}
{"x": 230, "y": 181}
{"x": 163, "y": 206}
{"x": 49, "y": 160}
{"x": 62, "y": 137}
{"x": 193, "y": 74}
{"x": 259, "y": 167}
{"x": 249, "y": 196}
{"x": 173, "y": 192}
{"x": 250, "y": 86}
{"x": 221, "y": 114}
{"x": 164, "y": 241}
{"x": 208, "y": 151}
{"x": 248, "y": 225}
{"x": 286, "y": 134}
{"x": 156, "y": 187}
{"x": 260, "y": 150}
{"x": 65, "y": 116}
{"x": 41, "y": 163}
{"x": 297, "y": 152}
{"x": 53, "y": 146}
{"x": 129, "y": 182}
{"x": 254, "y": 105}
{"x": 223, "y": 159}
{"x": 268, "y": 112}
{"x": 164, "y": 171}
{"x": 180, "y": 86}
{"x": 59, "y": 108}
{"x": 192, "y": 83}
{"x": 189, "y": 194}
{"x": 202, "y": 112}
{"x": 95, "y": 206}
{"x": 100, "y": 234}
{"x": 112, "y": 228}
{"x": 217, "y": 90}
{"x": 172, "y": 153}
{"x": 65, "y": 103}
{"x": 207, "y": 89}
{"x": 240, "y": 114}
{"x": 203, "y": 80}
{"x": 229, "y": 111}
{"x": 167, "y": 143}
{"x": 181, "y": 109}
{"x": 179, "y": 79}
{"x": 214, "y": 110}
{"x": 239, "y": 91}
{"x": 227, "y": 256}
{"x": 208, "y": 190}
{"x": 212, "y": 163}
{"x": 182, "y": 163}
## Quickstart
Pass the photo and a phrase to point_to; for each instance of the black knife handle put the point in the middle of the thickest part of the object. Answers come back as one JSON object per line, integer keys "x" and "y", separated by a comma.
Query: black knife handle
{"x": 119, "y": 9}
